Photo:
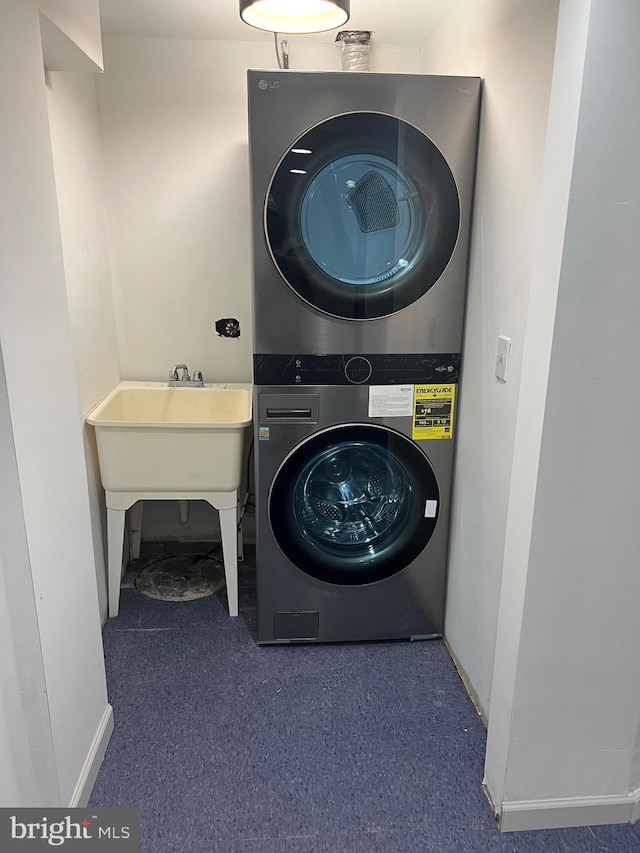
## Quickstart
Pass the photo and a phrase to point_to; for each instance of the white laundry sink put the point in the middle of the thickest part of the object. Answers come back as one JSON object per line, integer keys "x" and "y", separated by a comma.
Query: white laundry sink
{"x": 153, "y": 438}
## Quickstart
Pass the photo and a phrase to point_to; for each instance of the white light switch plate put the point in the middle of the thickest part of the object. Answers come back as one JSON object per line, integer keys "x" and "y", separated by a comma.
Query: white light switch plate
{"x": 502, "y": 357}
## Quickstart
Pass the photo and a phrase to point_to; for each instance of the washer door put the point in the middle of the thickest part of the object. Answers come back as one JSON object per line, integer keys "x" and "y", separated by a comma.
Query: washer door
{"x": 362, "y": 215}
{"x": 354, "y": 504}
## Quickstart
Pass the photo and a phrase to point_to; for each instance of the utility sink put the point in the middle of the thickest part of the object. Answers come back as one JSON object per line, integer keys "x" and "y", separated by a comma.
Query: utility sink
{"x": 156, "y": 442}
{"x": 153, "y": 437}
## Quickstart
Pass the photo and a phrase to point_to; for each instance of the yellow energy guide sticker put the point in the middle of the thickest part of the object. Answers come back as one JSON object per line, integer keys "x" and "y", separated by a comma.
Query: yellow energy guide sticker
{"x": 433, "y": 407}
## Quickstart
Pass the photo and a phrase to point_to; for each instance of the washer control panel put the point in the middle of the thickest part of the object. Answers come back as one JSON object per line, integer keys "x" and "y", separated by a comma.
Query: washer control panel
{"x": 356, "y": 369}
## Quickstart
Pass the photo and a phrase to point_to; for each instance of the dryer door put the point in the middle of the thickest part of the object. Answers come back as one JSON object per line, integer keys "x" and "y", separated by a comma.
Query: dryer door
{"x": 362, "y": 215}
{"x": 354, "y": 504}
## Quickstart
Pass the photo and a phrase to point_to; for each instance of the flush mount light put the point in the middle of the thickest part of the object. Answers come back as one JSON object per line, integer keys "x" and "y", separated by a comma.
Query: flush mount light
{"x": 295, "y": 16}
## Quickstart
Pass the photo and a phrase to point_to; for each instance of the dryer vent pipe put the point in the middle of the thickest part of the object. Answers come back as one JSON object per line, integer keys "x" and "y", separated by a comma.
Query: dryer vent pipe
{"x": 355, "y": 49}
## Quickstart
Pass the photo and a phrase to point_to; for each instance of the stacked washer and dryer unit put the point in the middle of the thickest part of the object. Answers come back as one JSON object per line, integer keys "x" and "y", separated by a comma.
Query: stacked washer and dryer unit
{"x": 361, "y": 191}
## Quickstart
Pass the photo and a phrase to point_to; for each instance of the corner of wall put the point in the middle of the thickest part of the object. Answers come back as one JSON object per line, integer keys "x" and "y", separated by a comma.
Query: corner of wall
{"x": 571, "y": 44}
{"x": 93, "y": 760}
{"x": 60, "y": 53}
{"x": 78, "y": 22}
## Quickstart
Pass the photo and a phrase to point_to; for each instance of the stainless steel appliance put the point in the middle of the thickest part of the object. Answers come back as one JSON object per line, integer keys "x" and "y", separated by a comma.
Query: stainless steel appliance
{"x": 361, "y": 194}
{"x": 362, "y": 189}
{"x": 352, "y": 505}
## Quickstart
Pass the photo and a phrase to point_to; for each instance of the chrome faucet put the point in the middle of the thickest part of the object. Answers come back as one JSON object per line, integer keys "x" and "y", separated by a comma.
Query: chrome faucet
{"x": 185, "y": 381}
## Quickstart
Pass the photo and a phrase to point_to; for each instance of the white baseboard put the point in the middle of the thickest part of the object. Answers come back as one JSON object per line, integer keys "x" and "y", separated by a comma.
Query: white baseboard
{"x": 467, "y": 684}
{"x": 577, "y": 811}
{"x": 93, "y": 761}
{"x": 636, "y": 805}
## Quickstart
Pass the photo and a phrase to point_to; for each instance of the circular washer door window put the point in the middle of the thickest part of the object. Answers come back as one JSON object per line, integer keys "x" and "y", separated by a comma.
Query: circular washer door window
{"x": 362, "y": 215}
{"x": 354, "y": 504}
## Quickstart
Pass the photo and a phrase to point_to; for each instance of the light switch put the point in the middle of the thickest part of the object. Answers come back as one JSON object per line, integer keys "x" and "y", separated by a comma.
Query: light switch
{"x": 502, "y": 357}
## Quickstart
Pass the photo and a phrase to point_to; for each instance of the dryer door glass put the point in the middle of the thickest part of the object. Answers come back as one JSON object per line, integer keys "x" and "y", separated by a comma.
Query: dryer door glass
{"x": 362, "y": 215}
{"x": 354, "y": 504}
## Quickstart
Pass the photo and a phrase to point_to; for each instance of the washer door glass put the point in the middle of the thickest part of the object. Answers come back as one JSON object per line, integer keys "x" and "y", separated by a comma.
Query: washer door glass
{"x": 354, "y": 504}
{"x": 362, "y": 215}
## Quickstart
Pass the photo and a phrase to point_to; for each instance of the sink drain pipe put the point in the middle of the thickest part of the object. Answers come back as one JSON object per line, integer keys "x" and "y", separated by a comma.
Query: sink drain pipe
{"x": 355, "y": 49}
{"x": 185, "y": 510}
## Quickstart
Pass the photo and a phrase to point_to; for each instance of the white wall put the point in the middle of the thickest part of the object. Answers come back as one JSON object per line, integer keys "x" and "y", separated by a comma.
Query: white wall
{"x": 79, "y": 176}
{"x": 510, "y": 45}
{"x": 568, "y": 727}
{"x": 43, "y": 405}
{"x": 174, "y": 128}
{"x": 18, "y": 781}
{"x": 28, "y": 775}
{"x": 560, "y": 148}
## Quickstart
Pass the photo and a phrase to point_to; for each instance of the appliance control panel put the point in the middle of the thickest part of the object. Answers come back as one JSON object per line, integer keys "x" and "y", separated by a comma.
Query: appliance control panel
{"x": 356, "y": 369}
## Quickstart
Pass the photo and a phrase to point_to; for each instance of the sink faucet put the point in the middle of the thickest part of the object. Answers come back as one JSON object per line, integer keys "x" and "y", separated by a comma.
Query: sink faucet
{"x": 185, "y": 381}
{"x": 185, "y": 372}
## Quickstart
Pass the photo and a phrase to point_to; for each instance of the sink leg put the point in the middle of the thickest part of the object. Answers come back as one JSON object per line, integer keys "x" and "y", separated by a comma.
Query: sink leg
{"x": 135, "y": 530}
{"x": 230, "y": 555}
{"x": 239, "y": 534}
{"x": 115, "y": 544}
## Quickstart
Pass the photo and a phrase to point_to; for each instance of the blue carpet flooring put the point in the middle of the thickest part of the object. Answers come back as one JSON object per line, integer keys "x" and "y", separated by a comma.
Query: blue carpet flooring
{"x": 228, "y": 746}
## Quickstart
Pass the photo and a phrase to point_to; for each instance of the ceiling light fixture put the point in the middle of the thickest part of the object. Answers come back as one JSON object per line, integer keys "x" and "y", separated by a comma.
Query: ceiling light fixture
{"x": 295, "y": 16}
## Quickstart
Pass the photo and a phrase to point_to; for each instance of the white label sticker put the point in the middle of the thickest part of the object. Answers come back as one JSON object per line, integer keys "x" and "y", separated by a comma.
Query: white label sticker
{"x": 430, "y": 509}
{"x": 390, "y": 401}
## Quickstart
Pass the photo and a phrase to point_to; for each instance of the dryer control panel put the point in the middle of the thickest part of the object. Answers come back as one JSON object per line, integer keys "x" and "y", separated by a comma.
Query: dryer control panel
{"x": 356, "y": 369}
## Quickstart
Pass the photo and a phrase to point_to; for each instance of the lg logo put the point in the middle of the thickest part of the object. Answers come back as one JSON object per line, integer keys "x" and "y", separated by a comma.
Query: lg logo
{"x": 265, "y": 84}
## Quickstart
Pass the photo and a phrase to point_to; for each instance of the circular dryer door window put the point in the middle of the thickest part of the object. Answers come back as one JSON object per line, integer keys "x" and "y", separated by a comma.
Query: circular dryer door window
{"x": 362, "y": 215}
{"x": 354, "y": 504}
